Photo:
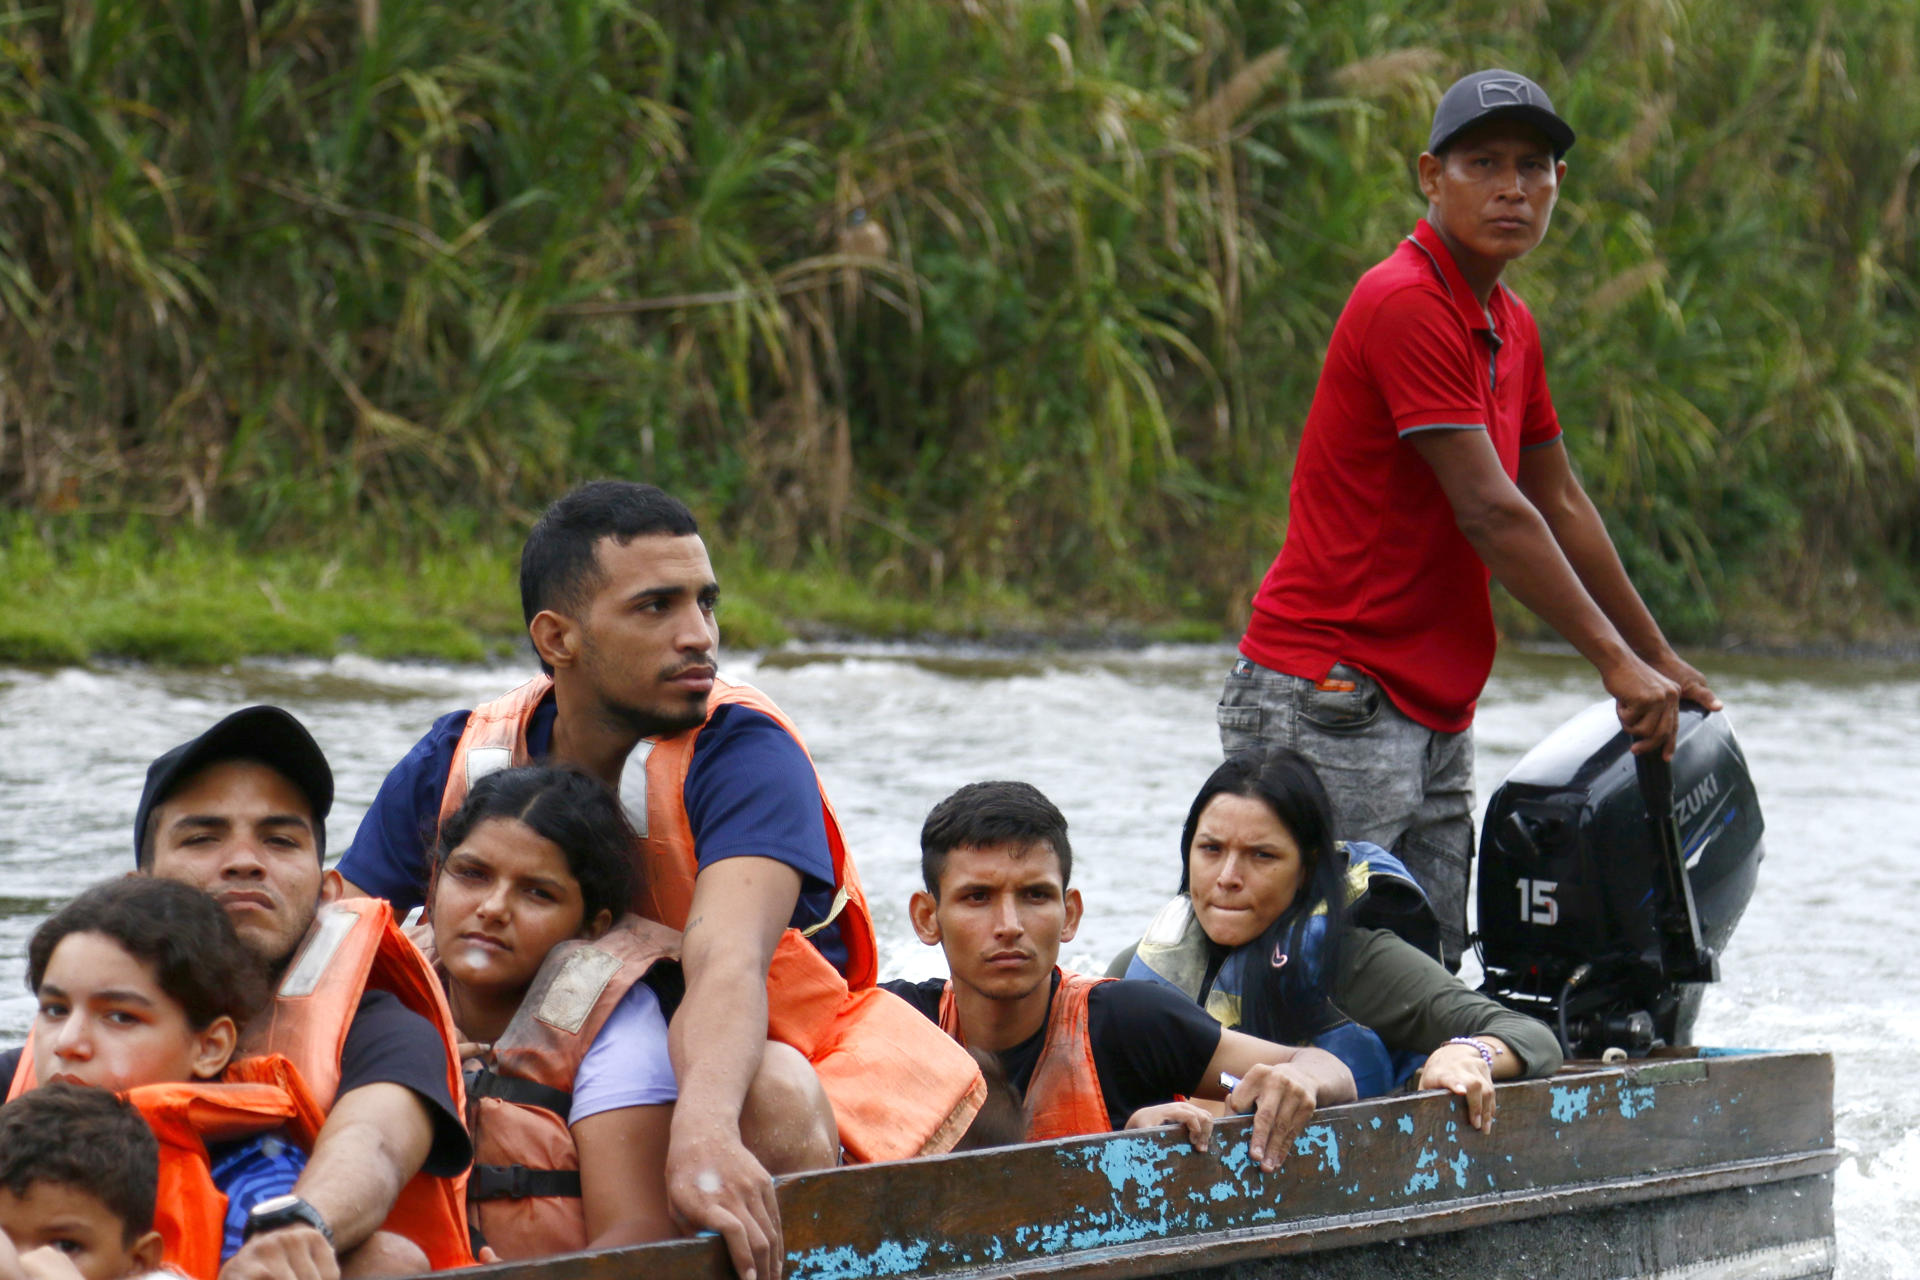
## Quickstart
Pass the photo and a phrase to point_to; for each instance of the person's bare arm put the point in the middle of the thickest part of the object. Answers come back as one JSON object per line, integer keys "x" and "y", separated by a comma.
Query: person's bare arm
{"x": 740, "y": 908}
{"x": 1323, "y": 1073}
{"x": 375, "y": 1139}
{"x": 1280, "y": 1084}
{"x": 1547, "y": 479}
{"x": 623, "y": 1175}
{"x": 1514, "y": 541}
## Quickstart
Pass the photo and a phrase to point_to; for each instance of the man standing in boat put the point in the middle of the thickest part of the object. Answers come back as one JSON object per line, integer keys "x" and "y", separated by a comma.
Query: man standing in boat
{"x": 739, "y": 848}
{"x": 1431, "y": 459}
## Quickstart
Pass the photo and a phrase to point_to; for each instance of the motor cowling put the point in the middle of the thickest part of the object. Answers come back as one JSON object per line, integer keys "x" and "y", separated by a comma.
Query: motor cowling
{"x": 1572, "y": 891}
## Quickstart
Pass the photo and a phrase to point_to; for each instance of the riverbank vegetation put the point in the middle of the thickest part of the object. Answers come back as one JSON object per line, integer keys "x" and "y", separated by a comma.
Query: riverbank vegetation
{"x": 944, "y": 313}
{"x": 201, "y": 598}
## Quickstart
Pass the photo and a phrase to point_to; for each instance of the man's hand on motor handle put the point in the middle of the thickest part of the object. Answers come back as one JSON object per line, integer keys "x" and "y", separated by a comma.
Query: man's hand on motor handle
{"x": 1648, "y": 704}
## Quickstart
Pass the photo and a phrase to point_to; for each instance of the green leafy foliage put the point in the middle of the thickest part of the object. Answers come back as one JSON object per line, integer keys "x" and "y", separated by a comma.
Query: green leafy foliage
{"x": 927, "y": 296}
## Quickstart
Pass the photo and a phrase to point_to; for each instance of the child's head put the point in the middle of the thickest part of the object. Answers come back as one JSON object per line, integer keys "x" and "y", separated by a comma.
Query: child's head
{"x": 1002, "y": 1118}
{"x": 78, "y": 1170}
{"x": 534, "y": 857}
{"x": 140, "y": 981}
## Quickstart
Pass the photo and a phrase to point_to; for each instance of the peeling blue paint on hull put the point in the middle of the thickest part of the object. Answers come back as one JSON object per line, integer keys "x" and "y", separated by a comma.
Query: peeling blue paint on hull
{"x": 1594, "y": 1138}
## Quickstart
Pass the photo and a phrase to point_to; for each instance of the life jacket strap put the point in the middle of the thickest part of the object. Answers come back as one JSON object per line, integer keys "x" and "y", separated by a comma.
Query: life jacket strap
{"x": 840, "y": 899}
{"x": 517, "y": 1182}
{"x": 487, "y": 1083}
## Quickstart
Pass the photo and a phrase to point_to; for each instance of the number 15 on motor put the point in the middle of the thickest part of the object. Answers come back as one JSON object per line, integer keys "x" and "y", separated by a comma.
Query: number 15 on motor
{"x": 1537, "y": 903}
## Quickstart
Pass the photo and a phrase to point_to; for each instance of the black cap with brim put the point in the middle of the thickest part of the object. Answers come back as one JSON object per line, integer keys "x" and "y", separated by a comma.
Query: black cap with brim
{"x": 1497, "y": 95}
{"x": 268, "y": 735}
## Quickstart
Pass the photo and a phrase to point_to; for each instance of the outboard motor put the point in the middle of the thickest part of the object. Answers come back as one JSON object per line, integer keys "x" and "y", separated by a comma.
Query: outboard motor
{"x": 1610, "y": 882}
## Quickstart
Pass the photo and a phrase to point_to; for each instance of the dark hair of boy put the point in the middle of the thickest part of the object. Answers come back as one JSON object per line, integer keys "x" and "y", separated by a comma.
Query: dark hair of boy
{"x": 90, "y": 1139}
{"x": 574, "y": 811}
{"x": 197, "y": 958}
{"x": 983, "y": 814}
{"x": 559, "y": 566}
{"x": 1002, "y": 1118}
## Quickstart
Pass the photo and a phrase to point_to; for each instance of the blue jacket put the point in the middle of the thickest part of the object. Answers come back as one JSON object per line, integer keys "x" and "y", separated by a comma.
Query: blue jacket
{"x": 1176, "y": 952}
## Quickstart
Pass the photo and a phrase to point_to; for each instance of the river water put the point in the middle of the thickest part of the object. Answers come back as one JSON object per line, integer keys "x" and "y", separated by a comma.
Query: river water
{"x": 1120, "y": 741}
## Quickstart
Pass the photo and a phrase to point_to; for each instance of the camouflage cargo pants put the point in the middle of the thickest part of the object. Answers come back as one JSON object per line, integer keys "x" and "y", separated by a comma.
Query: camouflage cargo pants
{"x": 1392, "y": 781}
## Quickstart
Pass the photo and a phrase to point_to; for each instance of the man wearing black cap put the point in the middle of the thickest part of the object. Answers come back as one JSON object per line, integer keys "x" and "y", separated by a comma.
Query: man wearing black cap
{"x": 1431, "y": 458}
{"x": 240, "y": 812}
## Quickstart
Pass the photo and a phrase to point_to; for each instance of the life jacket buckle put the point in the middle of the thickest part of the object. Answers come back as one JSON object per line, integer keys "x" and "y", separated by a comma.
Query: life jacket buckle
{"x": 501, "y": 1182}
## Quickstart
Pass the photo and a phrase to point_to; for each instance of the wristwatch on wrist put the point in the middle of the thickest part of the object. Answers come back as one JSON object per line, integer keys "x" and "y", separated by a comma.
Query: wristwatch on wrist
{"x": 285, "y": 1211}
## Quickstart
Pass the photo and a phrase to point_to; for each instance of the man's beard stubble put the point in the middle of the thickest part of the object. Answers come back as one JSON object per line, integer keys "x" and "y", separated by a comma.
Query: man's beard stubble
{"x": 666, "y": 718}
{"x": 645, "y": 722}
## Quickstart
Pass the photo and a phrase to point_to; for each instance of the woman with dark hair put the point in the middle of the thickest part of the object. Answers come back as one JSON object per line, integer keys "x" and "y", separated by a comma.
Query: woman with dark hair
{"x": 537, "y": 822}
{"x": 1292, "y": 936}
{"x": 558, "y": 994}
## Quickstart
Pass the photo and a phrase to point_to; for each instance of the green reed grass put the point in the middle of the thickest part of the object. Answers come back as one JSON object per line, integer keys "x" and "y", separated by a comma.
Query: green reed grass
{"x": 1023, "y": 295}
{"x": 72, "y": 592}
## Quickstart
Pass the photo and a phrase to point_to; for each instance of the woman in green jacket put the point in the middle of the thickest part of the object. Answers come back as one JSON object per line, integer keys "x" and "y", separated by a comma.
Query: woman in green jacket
{"x": 1269, "y": 933}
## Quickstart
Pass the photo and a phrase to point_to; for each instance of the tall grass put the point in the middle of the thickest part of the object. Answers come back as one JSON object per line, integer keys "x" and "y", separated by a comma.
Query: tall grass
{"x": 981, "y": 291}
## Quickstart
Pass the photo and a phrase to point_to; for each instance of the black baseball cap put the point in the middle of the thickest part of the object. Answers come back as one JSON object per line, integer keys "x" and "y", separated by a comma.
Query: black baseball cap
{"x": 1497, "y": 95}
{"x": 268, "y": 735}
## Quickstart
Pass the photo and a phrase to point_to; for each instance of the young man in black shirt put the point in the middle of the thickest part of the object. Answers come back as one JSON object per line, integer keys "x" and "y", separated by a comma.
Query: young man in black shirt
{"x": 1089, "y": 1055}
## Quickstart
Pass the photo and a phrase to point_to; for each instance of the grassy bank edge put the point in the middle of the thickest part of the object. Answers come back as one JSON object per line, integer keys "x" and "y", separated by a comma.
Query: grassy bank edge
{"x": 202, "y": 598}
{"x": 205, "y": 600}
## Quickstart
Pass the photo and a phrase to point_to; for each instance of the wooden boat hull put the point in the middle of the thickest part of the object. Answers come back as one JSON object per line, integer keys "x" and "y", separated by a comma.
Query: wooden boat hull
{"x": 1683, "y": 1168}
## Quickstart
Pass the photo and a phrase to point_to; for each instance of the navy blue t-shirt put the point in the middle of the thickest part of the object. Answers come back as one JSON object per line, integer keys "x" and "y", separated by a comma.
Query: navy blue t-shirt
{"x": 750, "y": 792}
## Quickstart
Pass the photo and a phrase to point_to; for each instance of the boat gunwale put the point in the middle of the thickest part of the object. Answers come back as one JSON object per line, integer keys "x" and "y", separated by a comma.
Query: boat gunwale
{"x": 1186, "y": 1250}
{"x": 1375, "y": 1226}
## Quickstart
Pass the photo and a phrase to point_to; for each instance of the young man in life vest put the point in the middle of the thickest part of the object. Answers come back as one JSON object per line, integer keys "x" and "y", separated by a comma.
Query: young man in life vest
{"x": 739, "y": 848}
{"x": 1431, "y": 458}
{"x": 239, "y": 813}
{"x": 78, "y": 1171}
{"x": 1089, "y": 1054}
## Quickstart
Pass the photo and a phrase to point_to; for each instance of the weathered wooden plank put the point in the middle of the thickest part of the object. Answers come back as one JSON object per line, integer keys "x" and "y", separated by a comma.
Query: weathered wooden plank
{"x": 1773, "y": 1231}
{"x": 1147, "y": 1204}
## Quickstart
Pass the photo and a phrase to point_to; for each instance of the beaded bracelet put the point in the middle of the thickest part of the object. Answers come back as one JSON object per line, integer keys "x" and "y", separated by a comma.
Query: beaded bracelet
{"x": 1478, "y": 1046}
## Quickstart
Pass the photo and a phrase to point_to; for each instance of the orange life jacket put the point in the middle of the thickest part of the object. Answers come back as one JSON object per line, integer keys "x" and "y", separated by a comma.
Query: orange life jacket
{"x": 1063, "y": 1096}
{"x": 523, "y": 1198}
{"x": 496, "y": 737}
{"x": 897, "y": 1090}
{"x": 252, "y": 1096}
{"x": 353, "y": 945}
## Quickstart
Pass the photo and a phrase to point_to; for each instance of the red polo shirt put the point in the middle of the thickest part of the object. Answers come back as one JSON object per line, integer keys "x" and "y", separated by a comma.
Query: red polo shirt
{"x": 1374, "y": 572}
